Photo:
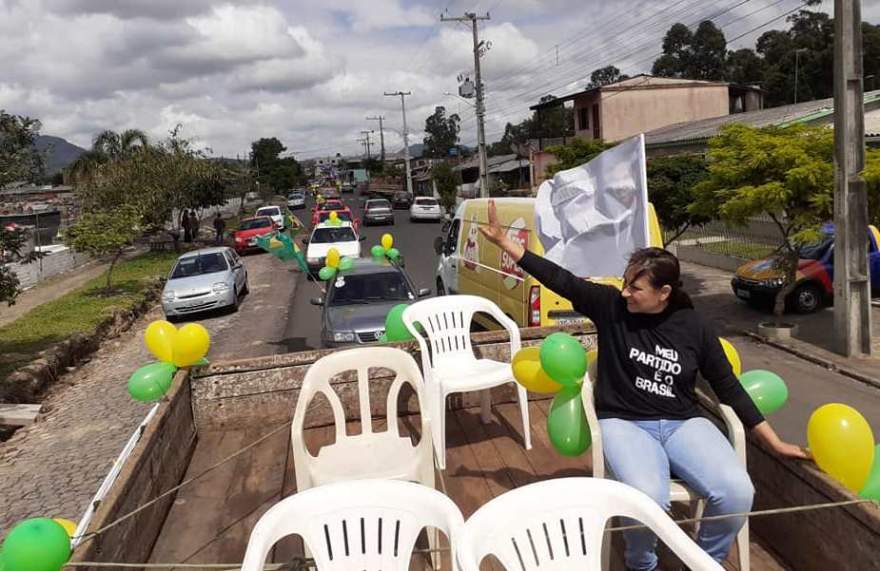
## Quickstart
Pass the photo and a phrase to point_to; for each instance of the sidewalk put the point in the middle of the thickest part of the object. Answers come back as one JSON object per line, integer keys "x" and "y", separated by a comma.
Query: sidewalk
{"x": 810, "y": 384}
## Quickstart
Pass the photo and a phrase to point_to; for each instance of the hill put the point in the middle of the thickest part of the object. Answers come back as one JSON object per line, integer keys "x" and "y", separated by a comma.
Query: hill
{"x": 58, "y": 152}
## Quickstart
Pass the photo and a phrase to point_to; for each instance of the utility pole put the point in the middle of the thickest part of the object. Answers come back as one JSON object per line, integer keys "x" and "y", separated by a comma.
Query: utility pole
{"x": 403, "y": 94}
{"x": 380, "y": 118}
{"x": 479, "y": 49}
{"x": 366, "y": 135}
{"x": 852, "y": 284}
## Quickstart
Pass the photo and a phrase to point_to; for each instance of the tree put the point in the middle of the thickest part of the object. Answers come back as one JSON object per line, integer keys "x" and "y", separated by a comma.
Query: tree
{"x": 605, "y": 75}
{"x": 19, "y": 161}
{"x": 745, "y": 67}
{"x": 441, "y": 133}
{"x": 104, "y": 232}
{"x": 692, "y": 55}
{"x": 447, "y": 181}
{"x": 574, "y": 154}
{"x": 671, "y": 182}
{"x": 108, "y": 147}
{"x": 786, "y": 173}
{"x": 676, "y": 52}
{"x": 275, "y": 173}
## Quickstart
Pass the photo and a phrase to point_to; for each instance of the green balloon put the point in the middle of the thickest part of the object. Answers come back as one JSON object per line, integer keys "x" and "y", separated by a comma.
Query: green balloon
{"x": 383, "y": 338}
{"x": 327, "y": 273}
{"x": 563, "y": 358}
{"x": 767, "y": 389}
{"x": 377, "y": 251}
{"x": 202, "y": 362}
{"x": 151, "y": 382}
{"x": 395, "y": 330}
{"x": 346, "y": 263}
{"x": 392, "y": 253}
{"x": 871, "y": 488}
{"x": 567, "y": 423}
{"x": 37, "y": 544}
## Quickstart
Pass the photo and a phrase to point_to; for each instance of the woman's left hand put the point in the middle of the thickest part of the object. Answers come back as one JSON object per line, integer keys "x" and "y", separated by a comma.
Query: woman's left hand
{"x": 787, "y": 450}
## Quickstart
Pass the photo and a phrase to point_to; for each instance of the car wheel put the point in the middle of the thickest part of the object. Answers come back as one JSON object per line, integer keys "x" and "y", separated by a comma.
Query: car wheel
{"x": 245, "y": 290}
{"x": 440, "y": 289}
{"x": 236, "y": 300}
{"x": 806, "y": 298}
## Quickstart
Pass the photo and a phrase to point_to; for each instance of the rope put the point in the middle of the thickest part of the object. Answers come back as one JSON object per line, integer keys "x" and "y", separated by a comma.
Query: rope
{"x": 302, "y": 564}
{"x": 165, "y": 494}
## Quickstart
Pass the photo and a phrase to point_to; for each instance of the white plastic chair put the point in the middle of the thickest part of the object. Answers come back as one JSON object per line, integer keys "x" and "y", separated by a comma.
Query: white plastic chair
{"x": 370, "y": 454}
{"x": 679, "y": 491}
{"x": 451, "y": 366}
{"x": 559, "y": 524}
{"x": 362, "y": 524}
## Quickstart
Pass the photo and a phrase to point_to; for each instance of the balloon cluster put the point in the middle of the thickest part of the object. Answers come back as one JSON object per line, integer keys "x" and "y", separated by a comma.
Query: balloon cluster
{"x": 37, "y": 544}
{"x": 334, "y": 263}
{"x": 333, "y": 219}
{"x": 767, "y": 389}
{"x": 843, "y": 446}
{"x": 395, "y": 329}
{"x": 386, "y": 248}
{"x": 558, "y": 366}
{"x": 174, "y": 348}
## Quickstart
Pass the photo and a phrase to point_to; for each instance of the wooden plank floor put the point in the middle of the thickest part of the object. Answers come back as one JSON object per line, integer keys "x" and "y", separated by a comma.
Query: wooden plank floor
{"x": 212, "y": 518}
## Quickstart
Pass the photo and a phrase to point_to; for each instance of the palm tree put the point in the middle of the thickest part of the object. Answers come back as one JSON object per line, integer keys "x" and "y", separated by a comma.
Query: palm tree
{"x": 108, "y": 147}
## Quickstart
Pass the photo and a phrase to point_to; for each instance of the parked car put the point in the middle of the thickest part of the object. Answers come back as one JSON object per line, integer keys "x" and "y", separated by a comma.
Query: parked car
{"x": 425, "y": 208}
{"x": 325, "y": 236}
{"x": 273, "y": 212}
{"x": 401, "y": 200}
{"x": 359, "y": 299}
{"x": 296, "y": 200}
{"x": 244, "y": 239}
{"x": 204, "y": 279}
{"x": 378, "y": 211}
{"x": 757, "y": 282}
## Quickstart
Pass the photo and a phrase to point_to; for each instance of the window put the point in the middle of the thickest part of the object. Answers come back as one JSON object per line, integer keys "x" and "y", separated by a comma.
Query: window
{"x": 583, "y": 118}
{"x": 452, "y": 238}
{"x": 344, "y": 216}
{"x": 255, "y": 223}
{"x": 426, "y": 201}
{"x": 374, "y": 287}
{"x": 199, "y": 265}
{"x": 330, "y": 235}
{"x": 596, "y": 132}
{"x": 271, "y": 211}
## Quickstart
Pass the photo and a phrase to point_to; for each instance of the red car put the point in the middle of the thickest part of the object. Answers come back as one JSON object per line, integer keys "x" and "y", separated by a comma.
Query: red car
{"x": 245, "y": 238}
{"x": 328, "y": 206}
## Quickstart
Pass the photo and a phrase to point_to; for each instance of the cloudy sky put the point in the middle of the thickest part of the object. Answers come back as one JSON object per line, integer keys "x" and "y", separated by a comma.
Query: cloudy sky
{"x": 310, "y": 71}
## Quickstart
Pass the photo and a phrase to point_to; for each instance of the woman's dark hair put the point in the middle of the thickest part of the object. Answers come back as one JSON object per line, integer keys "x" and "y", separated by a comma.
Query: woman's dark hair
{"x": 662, "y": 268}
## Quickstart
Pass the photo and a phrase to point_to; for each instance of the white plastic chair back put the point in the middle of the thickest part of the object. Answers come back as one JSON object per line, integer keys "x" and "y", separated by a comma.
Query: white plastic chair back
{"x": 446, "y": 320}
{"x": 369, "y": 525}
{"x": 360, "y": 360}
{"x": 559, "y": 525}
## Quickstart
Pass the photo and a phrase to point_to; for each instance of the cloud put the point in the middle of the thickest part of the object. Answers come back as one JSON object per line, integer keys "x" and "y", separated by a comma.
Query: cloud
{"x": 130, "y": 9}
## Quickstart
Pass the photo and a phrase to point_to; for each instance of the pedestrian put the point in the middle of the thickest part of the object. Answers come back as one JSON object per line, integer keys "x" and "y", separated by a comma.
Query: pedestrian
{"x": 193, "y": 225}
{"x": 219, "y": 228}
{"x": 187, "y": 229}
{"x": 652, "y": 343}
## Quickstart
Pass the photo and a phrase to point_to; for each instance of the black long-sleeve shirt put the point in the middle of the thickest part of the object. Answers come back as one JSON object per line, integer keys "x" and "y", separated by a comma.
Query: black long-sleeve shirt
{"x": 648, "y": 363}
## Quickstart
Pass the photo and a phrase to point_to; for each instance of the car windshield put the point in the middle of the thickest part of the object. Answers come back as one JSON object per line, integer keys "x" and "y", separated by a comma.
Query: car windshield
{"x": 295, "y": 196}
{"x": 400, "y": 195}
{"x": 370, "y": 288}
{"x": 426, "y": 201}
{"x": 345, "y": 216}
{"x": 274, "y": 211}
{"x": 199, "y": 265}
{"x": 255, "y": 223}
{"x": 329, "y": 235}
{"x": 333, "y": 206}
{"x": 378, "y": 204}
{"x": 816, "y": 250}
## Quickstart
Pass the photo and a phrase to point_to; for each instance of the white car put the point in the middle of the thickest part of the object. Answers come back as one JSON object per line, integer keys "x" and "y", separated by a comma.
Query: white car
{"x": 296, "y": 200}
{"x": 425, "y": 208}
{"x": 327, "y": 235}
{"x": 273, "y": 212}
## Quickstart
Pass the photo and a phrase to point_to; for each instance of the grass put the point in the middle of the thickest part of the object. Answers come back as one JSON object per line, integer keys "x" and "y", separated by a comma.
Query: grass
{"x": 79, "y": 311}
{"x": 742, "y": 250}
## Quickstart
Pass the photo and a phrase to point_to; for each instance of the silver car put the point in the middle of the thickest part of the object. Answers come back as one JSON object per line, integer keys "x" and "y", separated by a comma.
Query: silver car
{"x": 378, "y": 211}
{"x": 204, "y": 279}
{"x": 359, "y": 299}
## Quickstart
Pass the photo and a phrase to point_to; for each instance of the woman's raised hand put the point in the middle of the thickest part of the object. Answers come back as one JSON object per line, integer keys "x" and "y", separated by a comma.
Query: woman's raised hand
{"x": 492, "y": 230}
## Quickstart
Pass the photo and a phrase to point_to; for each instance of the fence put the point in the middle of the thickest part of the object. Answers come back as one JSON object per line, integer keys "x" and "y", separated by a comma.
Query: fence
{"x": 727, "y": 247}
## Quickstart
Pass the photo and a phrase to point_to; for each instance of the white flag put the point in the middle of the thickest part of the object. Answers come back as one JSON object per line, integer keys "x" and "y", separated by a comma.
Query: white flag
{"x": 592, "y": 217}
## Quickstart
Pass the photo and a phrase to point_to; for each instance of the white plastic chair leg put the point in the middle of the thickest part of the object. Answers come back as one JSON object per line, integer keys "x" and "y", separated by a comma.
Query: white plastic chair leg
{"x": 438, "y": 412}
{"x": 486, "y": 406}
{"x": 524, "y": 413}
{"x": 606, "y": 546}
{"x": 742, "y": 547}
{"x": 698, "y": 515}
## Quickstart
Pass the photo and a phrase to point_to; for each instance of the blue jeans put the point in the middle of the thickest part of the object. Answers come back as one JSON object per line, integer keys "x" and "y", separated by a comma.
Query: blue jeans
{"x": 642, "y": 454}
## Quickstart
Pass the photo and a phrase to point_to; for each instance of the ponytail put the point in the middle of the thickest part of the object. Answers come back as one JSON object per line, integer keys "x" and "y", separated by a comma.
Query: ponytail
{"x": 662, "y": 268}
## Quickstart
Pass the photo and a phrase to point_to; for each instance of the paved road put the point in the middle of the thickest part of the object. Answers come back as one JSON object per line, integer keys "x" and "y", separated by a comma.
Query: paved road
{"x": 414, "y": 240}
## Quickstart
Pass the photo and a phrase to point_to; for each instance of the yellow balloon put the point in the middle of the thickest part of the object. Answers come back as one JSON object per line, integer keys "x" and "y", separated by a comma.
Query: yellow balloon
{"x": 333, "y": 216}
{"x": 333, "y": 258}
{"x": 191, "y": 345}
{"x": 159, "y": 337}
{"x": 69, "y": 526}
{"x": 528, "y": 372}
{"x": 387, "y": 241}
{"x": 842, "y": 444}
{"x": 732, "y": 356}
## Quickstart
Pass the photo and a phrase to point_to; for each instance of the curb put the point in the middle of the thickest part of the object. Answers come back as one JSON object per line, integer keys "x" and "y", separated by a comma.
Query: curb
{"x": 845, "y": 371}
{"x": 27, "y": 384}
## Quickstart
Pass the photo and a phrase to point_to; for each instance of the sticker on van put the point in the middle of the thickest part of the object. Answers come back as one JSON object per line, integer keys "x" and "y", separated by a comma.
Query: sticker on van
{"x": 471, "y": 250}
{"x": 519, "y": 234}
